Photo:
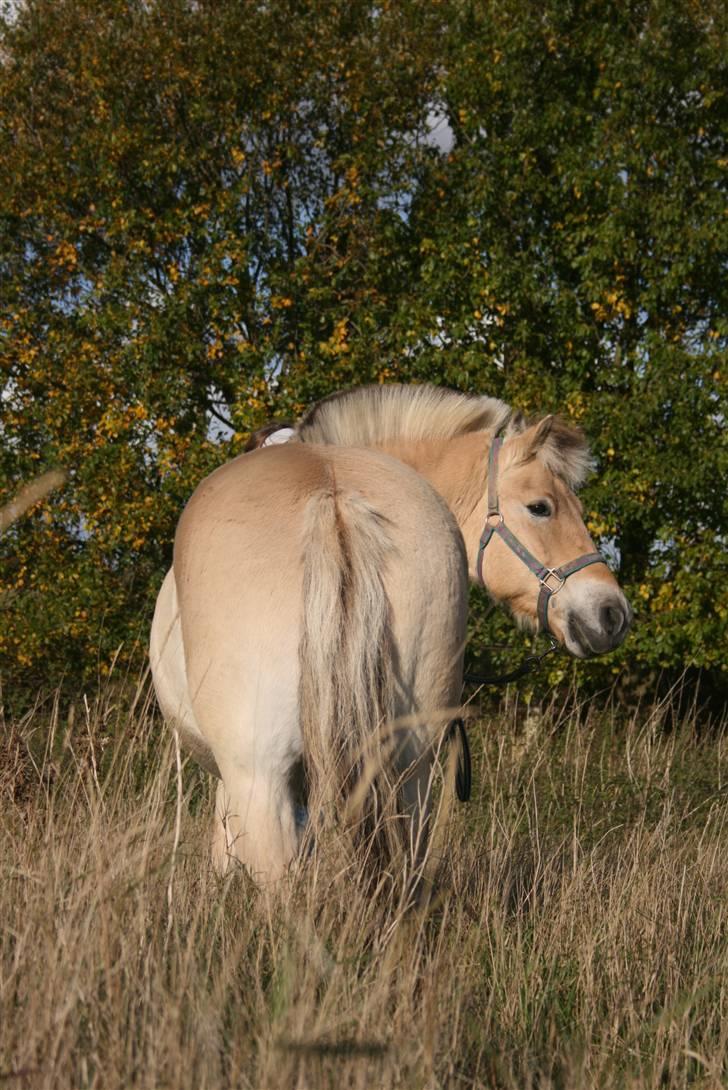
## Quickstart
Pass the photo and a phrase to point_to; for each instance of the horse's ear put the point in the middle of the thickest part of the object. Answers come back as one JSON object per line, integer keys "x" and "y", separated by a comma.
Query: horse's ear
{"x": 561, "y": 447}
{"x": 536, "y": 440}
{"x": 543, "y": 431}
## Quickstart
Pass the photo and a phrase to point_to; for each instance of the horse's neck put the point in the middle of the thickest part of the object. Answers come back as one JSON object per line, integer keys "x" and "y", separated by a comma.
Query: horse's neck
{"x": 457, "y": 469}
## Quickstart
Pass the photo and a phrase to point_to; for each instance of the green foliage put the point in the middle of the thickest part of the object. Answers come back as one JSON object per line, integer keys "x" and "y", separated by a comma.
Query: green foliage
{"x": 221, "y": 211}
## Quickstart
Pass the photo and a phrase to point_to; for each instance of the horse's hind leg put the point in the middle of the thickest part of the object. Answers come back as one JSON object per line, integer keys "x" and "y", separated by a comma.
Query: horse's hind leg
{"x": 413, "y": 767}
{"x": 255, "y": 824}
{"x": 244, "y": 692}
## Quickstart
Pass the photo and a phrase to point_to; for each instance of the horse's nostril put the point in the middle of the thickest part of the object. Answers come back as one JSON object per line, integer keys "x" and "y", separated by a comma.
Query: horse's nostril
{"x": 612, "y": 618}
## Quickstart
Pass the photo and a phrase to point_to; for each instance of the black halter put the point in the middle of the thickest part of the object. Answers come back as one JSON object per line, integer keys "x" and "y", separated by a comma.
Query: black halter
{"x": 551, "y": 579}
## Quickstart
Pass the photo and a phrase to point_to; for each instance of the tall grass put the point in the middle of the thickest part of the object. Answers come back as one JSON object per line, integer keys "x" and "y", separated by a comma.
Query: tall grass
{"x": 578, "y": 936}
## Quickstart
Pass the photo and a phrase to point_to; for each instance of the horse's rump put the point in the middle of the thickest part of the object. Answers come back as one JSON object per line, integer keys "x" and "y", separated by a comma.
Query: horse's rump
{"x": 322, "y": 595}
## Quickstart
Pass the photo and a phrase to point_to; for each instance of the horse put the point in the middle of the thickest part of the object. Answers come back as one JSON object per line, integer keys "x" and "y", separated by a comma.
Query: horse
{"x": 318, "y": 592}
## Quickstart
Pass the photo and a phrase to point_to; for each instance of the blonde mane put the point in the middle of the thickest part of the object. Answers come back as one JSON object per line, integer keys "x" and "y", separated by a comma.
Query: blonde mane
{"x": 370, "y": 415}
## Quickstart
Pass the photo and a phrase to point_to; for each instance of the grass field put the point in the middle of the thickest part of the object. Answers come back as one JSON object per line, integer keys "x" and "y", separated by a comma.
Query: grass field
{"x": 578, "y": 938}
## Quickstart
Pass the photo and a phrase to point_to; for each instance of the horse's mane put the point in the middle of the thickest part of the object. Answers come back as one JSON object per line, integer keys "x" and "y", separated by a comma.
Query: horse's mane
{"x": 369, "y": 415}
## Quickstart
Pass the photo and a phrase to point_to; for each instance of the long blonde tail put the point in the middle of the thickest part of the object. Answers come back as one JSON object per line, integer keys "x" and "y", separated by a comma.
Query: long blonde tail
{"x": 346, "y": 674}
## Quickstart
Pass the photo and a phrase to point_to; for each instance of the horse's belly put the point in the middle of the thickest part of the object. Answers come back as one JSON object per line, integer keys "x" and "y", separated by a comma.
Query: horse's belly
{"x": 167, "y": 659}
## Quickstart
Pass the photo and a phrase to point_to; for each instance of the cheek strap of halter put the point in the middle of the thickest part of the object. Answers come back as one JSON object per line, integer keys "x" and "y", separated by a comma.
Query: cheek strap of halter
{"x": 551, "y": 579}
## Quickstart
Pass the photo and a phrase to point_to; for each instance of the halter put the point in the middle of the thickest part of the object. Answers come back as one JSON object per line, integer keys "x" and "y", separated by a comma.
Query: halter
{"x": 547, "y": 577}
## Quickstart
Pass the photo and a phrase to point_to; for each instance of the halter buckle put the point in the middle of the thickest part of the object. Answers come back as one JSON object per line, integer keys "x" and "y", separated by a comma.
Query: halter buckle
{"x": 552, "y": 573}
{"x": 492, "y": 515}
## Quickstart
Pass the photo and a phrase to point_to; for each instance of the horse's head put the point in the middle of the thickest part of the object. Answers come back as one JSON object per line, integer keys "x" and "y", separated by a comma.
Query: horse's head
{"x": 536, "y": 554}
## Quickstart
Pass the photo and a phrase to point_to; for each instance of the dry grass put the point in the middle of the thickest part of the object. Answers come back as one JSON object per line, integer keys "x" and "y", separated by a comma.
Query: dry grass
{"x": 579, "y": 938}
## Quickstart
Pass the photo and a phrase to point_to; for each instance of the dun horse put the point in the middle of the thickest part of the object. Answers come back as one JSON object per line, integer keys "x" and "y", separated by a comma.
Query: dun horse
{"x": 319, "y": 592}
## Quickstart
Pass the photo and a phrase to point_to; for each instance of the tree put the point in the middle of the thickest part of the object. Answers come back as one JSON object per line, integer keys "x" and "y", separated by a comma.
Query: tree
{"x": 212, "y": 213}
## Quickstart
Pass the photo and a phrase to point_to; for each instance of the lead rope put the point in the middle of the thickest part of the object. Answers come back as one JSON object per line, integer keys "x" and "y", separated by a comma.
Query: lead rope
{"x": 529, "y": 664}
{"x": 457, "y": 731}
{"x": 464, "y": 768}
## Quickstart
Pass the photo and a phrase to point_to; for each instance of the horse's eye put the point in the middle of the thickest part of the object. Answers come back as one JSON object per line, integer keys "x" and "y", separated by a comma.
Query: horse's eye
{"x": 541, "y": 510}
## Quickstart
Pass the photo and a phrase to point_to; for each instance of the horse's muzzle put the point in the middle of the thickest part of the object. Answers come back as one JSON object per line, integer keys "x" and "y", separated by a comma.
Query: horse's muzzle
{"x": 601, "y": 632}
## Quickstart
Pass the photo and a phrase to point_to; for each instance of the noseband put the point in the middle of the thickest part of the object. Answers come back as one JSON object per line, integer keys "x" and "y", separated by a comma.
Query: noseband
{"x": 551, "y": 579}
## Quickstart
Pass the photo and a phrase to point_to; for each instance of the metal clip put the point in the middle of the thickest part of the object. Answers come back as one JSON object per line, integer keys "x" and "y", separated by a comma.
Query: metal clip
{"x": 543, "y": 580}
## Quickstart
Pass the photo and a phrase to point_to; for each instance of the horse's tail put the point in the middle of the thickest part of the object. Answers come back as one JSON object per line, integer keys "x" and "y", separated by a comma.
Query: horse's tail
{"x": 346, "y": 673}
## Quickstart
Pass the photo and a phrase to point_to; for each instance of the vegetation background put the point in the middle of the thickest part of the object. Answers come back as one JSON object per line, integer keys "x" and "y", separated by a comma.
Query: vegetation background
{"x": 213, "y": 213}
